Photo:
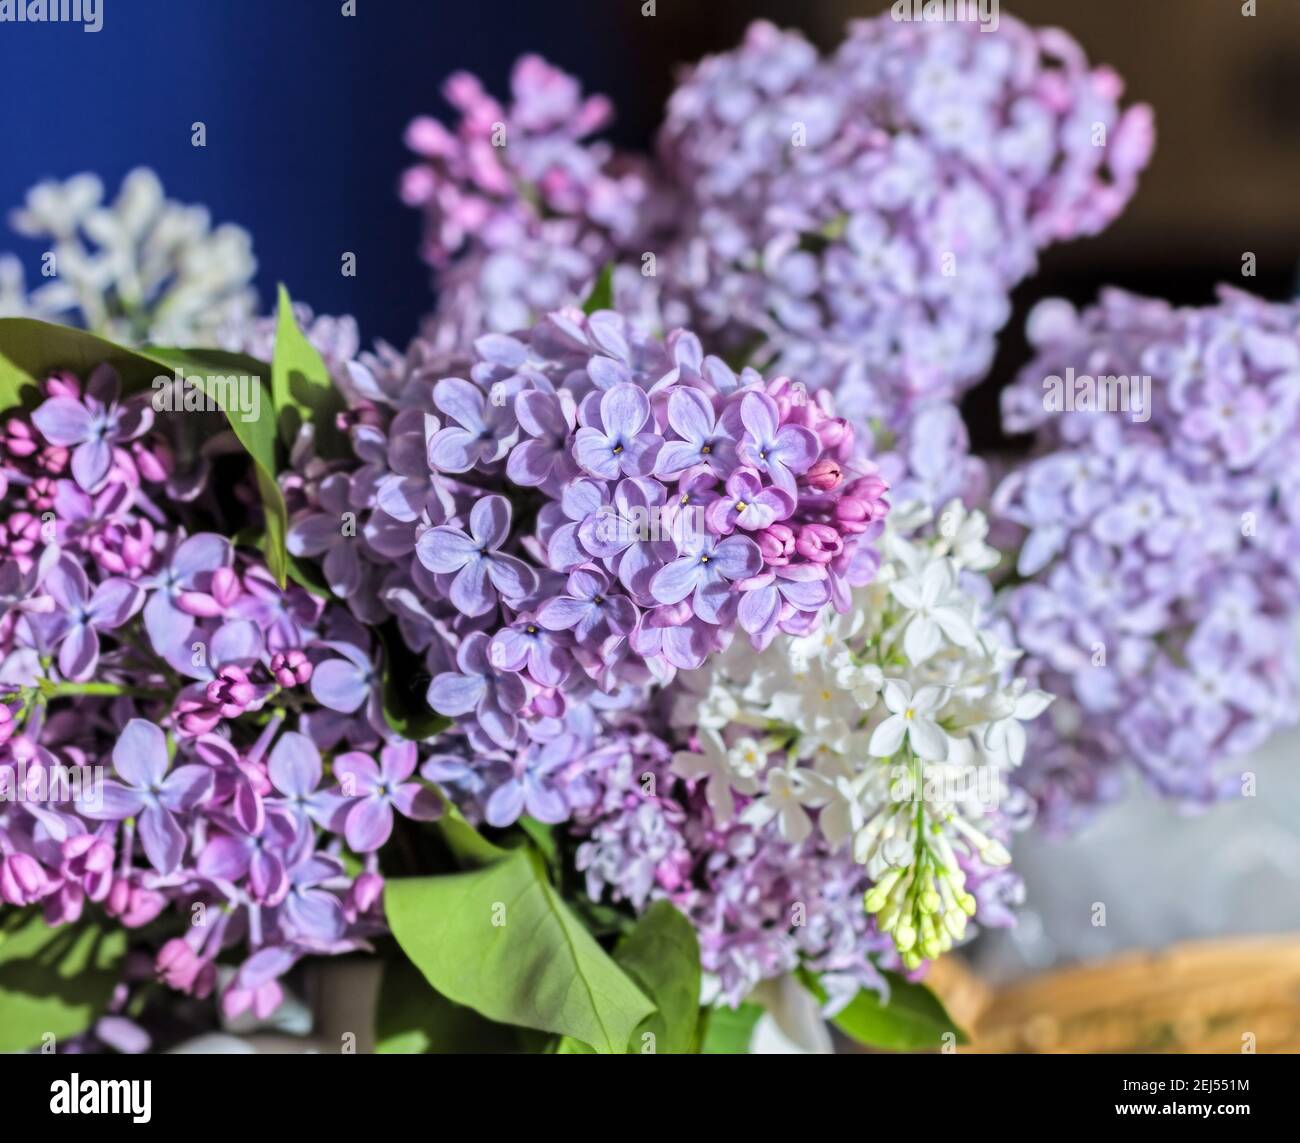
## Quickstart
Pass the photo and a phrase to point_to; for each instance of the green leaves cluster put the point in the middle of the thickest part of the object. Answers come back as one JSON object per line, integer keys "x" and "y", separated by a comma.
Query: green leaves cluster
{"x": 497, "y": 942}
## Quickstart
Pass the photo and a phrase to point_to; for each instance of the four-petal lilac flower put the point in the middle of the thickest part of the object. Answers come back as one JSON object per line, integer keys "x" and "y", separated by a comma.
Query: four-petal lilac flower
{"x": 690, "y": 413}
{"x": 83, "y": 613}
{"x": 378, "y": 790}
{"x": 747, "y": 504}
{"x": 618, "y": 444}
{"x": 484, "y": 430}
{"x": 494, "y": 696}
{"x": 481, "y": 570}
{"x": 150, "y": 794}
{"x": 92, "y": 426}
{"x": 782, "y": 451}
{"x": 706, "y": 570}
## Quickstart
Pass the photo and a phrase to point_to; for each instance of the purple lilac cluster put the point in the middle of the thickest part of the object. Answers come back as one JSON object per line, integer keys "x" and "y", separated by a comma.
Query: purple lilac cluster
{"x": 180, "y": 738}
{"x": 585, "y": 512}
{"x": 859, "y": 220}
{"x": 522, "y": 209}
{"x": 1160, "y": 543}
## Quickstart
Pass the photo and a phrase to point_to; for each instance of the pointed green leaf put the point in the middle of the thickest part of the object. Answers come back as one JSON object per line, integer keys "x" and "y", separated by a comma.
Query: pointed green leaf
{"x": 301, "y": 386}
{"x": 912, "y": 1019}
{"x": 500, "y": 940}
{"x": 662, "y": 955}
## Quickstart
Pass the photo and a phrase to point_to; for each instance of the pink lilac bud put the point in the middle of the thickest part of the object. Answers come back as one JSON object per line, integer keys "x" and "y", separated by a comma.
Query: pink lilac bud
{"x": 181, "y": 968}
{"x": 861, "y": 505}
{"x": 7, "y": 724}
{"x": 819, "y": 542}
{"x": 40, "y": 494}
{"x": 291, "y": 668}
{"x": 63, "y": 385}
{"x": 88, "y": 860}
{"x": 20, "y": 535}
{"x": 53, "y": 460}
{"x": 547, "y": 703}
{"x": 231, "y": 692}
{"x": 777, "y": 543}
{"x": 365, "y": 893}
{"x": 19, "y": 440}
{"x": 826, "y": 475}
{"x": 153, "y": 459}
{"x": 23, "y": 879}
{"x": 193, "y": 717}
{"x": 64, "y": 905}
{"x": 132, "y": 904}
{"x": 262, "y": 1000}
{"x": 124, "y": 547}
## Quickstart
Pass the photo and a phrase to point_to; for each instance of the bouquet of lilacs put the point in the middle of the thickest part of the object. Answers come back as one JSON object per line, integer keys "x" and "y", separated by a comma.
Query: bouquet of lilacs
{"x": 628, "y": 656}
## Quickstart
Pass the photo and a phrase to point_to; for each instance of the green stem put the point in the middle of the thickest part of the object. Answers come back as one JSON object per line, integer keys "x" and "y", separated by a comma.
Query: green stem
{"x": 66, "y": 690}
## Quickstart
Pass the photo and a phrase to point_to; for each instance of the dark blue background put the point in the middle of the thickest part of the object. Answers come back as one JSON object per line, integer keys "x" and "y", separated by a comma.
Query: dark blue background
{"x": 305, "y": 110}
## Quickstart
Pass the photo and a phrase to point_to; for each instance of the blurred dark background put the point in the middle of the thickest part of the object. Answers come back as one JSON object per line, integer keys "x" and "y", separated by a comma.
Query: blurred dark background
{"x": 305, "y": 109}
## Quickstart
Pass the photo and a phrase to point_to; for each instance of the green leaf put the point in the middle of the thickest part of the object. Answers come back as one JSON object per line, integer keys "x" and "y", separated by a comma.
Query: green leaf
{"x": 602, "y": 291}
{"x": 662, "y": 955}
{"x": 467, "y": 845}
{"x": 412, "y": 1019}
{"x": 568, "y": 1046}
{"x": 500, "y": 940}
{"x": 729, "y": 1030}
{"x": 912, "y": 1019}
{"x": 31, "y": 350}
{"x": 542, "y": 836}
{"x": 53, "y": 981}
{"x": 301, "y": 386}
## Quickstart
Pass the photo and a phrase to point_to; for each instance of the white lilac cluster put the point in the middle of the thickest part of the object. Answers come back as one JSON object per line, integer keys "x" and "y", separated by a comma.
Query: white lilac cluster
{"x": 889, "y": 732}
{"x": 142, "y": 269}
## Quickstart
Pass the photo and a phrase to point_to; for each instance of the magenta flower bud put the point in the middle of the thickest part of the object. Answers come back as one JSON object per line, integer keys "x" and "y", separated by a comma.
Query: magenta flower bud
{"x": 20, "y": 440}
{"x": 291, "y": 668}
{"x": 231, "y": 692}
{"x": 64, "y": 905}
{"x": 819, "y": 543}
{"x": 40, "y": 494}
{"x": 119, "y": 897}
{"x": 7, "y": 724}
{"x": 63, "y": 384}
{"x": 181, "y": 968}
{"x": 547, "y": 703}
{"x": 20, "y": 535}
{"x": 777, "y": 544}
{"x": 133, "y": 905}
{"x": 53, "y": 460}
{"x": 365, "y": 892}
{"x": 153, "y": 460}
{"x": 826, "y": 475}
{"x": 22, "y": 879}
{"x": 193, "y": 717}
{"x": 124, "y": 548}
{"x": 87, "y": 853}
